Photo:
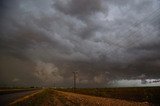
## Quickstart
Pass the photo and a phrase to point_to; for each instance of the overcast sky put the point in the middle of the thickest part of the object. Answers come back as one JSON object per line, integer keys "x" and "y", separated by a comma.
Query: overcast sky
{"x": 43, "y": 41}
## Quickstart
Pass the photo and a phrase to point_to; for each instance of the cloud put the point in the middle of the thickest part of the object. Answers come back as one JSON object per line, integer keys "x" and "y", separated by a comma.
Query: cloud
{"x": 48, "y": 72}
{"x": 15, "y": 80}
{"x": 99, "y": 78}
{"x": 84, "y": 81}
{"x": 78, "y": 8}
{"x": 92, "y": 36}
{"x": 133, "y": 83}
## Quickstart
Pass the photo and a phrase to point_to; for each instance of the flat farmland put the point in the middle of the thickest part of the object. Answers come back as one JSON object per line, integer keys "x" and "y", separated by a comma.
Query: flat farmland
{"x": 139, "y": 94}
{"x": 92, "y": 97}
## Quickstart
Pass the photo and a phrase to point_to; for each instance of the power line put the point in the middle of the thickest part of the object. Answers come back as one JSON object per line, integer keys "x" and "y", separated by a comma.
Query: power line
{"x": 131, "y": 34}
{"x": 144, "y": 20}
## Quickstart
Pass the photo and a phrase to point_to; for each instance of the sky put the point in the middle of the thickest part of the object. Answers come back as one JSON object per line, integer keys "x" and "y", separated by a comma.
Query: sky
{"x": 107, "y": 42}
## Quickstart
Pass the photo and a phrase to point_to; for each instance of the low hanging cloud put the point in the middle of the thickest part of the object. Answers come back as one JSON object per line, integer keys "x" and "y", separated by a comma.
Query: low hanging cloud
{"x": 16, "y": 80}
{"x": 99, "y": 78}
{"x": 48, "y": 72}
{"x": 133, "y": 83}
{"x": 92, "y": 36}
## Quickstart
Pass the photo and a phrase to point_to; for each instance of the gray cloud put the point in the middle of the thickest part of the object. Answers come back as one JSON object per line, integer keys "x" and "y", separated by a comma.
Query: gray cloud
{"x": 48, "y": 72}
{"x": 79, "y": 8}
{"x": 91, "y": 36}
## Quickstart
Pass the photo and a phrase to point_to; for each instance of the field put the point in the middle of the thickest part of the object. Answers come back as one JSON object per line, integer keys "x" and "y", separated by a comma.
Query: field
{"x": 50, "y": 97}
{"x": 92, "y": 97}
{"x": 139, "y": 94}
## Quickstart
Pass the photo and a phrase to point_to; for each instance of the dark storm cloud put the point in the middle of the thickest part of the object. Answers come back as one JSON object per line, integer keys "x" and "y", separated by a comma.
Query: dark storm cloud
{"x": 103, "y": 40}
{"x": 79, "y": 7}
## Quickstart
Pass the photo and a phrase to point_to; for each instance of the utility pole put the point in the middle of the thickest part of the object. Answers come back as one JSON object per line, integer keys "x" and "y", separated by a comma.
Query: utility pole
{"x": 54, "y": 85}
{"x": 74, "y": 80}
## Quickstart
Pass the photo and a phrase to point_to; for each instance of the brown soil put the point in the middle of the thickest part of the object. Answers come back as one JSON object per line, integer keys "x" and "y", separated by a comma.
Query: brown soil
{"x": 72, "y": 99}
{"x": 59, "y": 98}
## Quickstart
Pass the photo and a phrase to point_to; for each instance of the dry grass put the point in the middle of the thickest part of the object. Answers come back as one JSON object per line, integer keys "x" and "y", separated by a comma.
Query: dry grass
{"x": 86, "y": 100}
{"x": 138, "y": 94}
{"x": 29, "y": 99}
{"x": 50, "y": 97}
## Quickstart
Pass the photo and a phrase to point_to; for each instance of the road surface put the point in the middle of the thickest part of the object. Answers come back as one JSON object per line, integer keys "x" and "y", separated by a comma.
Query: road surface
{"x": 5, "y": 99}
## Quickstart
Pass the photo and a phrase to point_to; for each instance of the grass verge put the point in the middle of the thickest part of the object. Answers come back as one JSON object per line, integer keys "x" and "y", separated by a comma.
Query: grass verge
{"x": 35, "y": 99}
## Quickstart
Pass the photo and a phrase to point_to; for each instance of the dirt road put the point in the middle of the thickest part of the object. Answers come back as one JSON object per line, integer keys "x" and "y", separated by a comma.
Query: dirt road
{"x": 5, "y": 99}
{"x": 59, "y": 98}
